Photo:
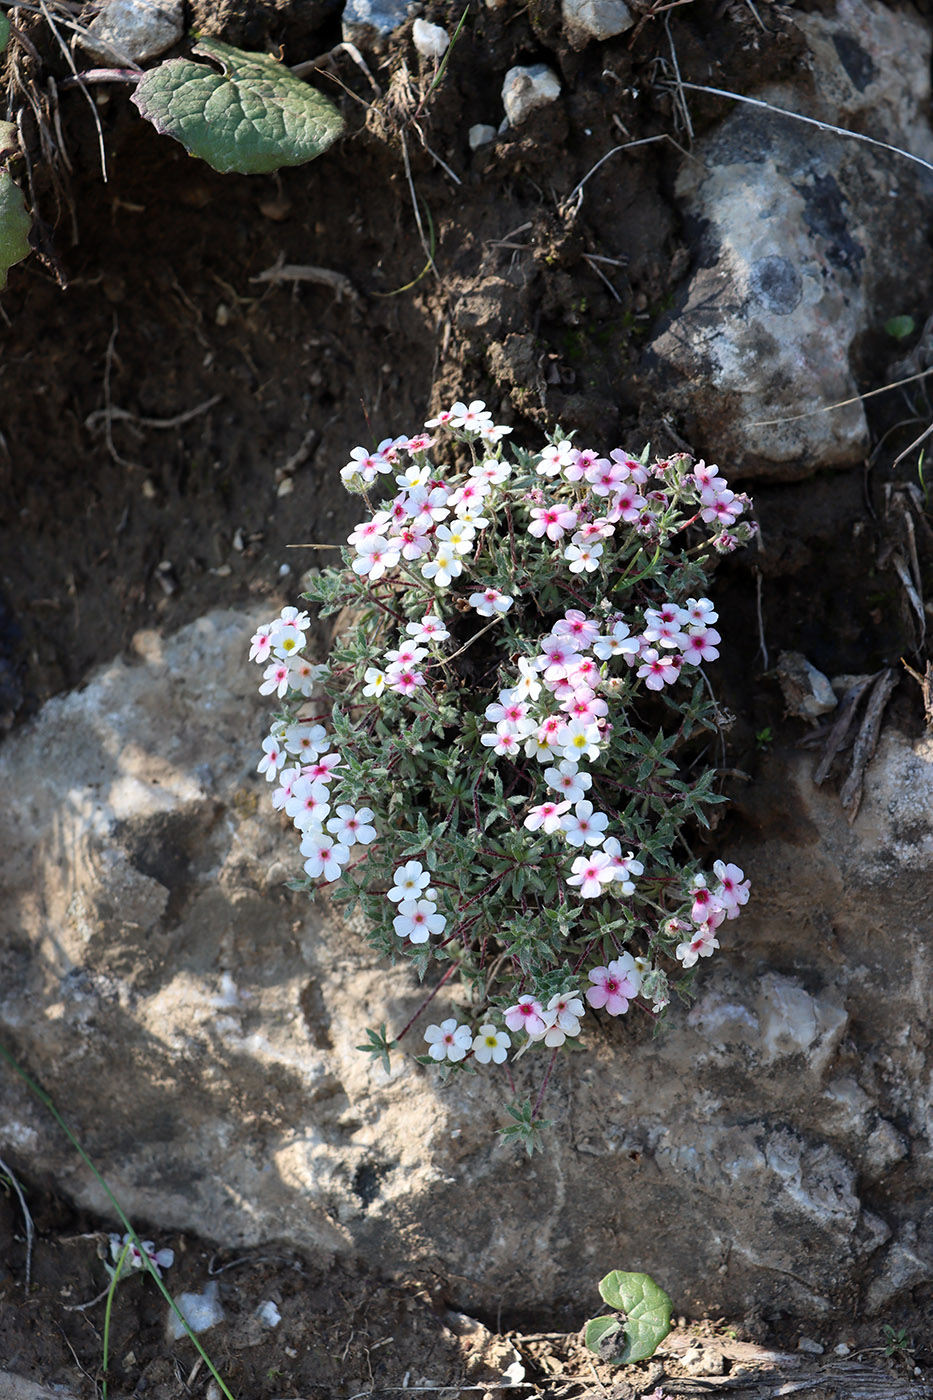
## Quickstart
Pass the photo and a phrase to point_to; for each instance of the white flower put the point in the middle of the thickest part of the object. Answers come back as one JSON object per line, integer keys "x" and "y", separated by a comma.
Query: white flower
{"x": 350, "y": 826}
{"x": 591, "y": 873}
{"x": 410, "y": 880}
{"x": 583, "y": 557}
{"x": 430, "y": 629}
{"x": 159, "y": 1259}
{"x": 469, "y": 417}
{"x": 444, "y": 567}
{"x": 448, "y": 1041}
{"x": 546, "y": 817}
{"x": 375, "y": 681}
{"x": 273, "y": 757}
{"x": 580, "y": 740}
{"x": 325, "y": 856}
{"x": 583, "y": 825}
{"x": 567, "y": 780}
{"x": 490, "y": 1044}
{"x": 490, "y": 603}
{"x": 307, "y": 739}
{"x": 417, "y": 919}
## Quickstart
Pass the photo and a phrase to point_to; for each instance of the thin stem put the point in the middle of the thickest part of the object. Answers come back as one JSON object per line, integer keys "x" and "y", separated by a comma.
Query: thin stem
{"x": 105, "y": 1355}
{"x": 544, "y": 1084}
{"x": 428, "y": 999}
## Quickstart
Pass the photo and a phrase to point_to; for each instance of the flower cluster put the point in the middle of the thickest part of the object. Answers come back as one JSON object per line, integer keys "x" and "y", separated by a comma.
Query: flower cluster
{"x": 159, "y": 1259}
{"x": 492, "y": 759}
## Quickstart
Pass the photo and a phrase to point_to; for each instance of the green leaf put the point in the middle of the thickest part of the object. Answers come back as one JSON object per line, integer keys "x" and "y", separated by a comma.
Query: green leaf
{"x": 900, "y": 327}
{"x": 254, "y": 117}
{"x": 4, "y": 32}
{"x": 15, "y": 224}
{"x": 646, "y": 1321}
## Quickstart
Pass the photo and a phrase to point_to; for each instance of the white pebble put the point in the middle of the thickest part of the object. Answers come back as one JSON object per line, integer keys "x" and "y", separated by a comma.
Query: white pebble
{"x": 480, "y": 135}
{"x": 525, "y": 89}
{"x": 431, "y": 40}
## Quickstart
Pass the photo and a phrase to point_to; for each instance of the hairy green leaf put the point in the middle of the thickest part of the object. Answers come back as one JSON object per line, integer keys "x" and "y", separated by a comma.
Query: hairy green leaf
{"x": 15, "y": 224}
{"x": 646, "y": 1321}
{"x": 254, "y": 117}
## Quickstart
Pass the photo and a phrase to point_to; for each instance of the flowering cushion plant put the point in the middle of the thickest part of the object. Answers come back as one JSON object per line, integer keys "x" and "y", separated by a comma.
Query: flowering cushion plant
{"x": 492, "y": 760}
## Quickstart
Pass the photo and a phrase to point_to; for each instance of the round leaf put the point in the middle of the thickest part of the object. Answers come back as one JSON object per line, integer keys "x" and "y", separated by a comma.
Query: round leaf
{"x": 254, "y": 117}
{"x": 647, "y": 1320}
{"x": 900, "y": 326}
{"x": 15, "y": 224}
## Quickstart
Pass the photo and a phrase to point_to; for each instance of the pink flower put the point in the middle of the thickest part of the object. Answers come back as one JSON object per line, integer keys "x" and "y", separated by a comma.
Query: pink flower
{"x": 546, "y": 817}
{"x": 615, "y": 985}
{"x": 554, "y": 521}
{"x": 576, "y": 626}
{"x": 590, "y": 873}
{"x": 700, "y": 645}
{"x": 657, "y": 671}
{"x": 732, "y": 890}
{"x": 526, "y": 1015}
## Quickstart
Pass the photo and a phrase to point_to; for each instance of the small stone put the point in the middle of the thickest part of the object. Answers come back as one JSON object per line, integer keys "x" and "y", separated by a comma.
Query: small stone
{"x": 811, "y": 1347}
{"x": 268, "y": 1314}
{"x": 807, "y": 692}
{"x": 596, "y": 19}
{"x": 524, "y": 89}
{"x": 133, "y": 30}
{"x": 431, "y": 40}
{"x": 842, "y": 1349}
{"x": 200, "y": 1310}
{"x": 481, "y": 135}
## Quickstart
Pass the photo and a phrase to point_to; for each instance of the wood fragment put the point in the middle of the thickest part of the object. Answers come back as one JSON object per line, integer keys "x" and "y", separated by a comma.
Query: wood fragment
{"x": 866, "y": 742}
{"x": 838, "y": 735}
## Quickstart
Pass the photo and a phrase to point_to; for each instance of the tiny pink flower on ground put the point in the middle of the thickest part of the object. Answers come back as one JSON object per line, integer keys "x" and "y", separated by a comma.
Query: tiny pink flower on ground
{"x": 430, "y": 629}
{"x": 606, "y": 477}
{"x": 546, "y": 817}
{"x": 324, "y": 855}
{"x": 505, "y": 741}
{"x": 580, "y": 463}
{"x": 705, "y": 476}
{"x": 448, "y": 1041}
{"x": 614, "y": 986}
{"x": 490, "y": 1044}
{"x": 583, "y": 826}
{"x": 626, "y": 505}
{"x": 623, "y": 867}
{"x": 374, "y": 557}
{"x": 733, "y": 888}
{"x": 490, "y": 603}
{"x": 350, "y": 826}
{"x": 590, "y": 873}
{"x": 409, "y": 880}
{"x": 491, "y": 471}
{"x": 526, "y": 1015}
{"x": 406, "y": 654}
{"x": 159, "y": 1259}
{"x": 704, "y": 901}
{"x": 558, "y": 655}
{"x": 368, "y": 529}
{"x": 417, "y": 919}
{"x": 553, "y": 521}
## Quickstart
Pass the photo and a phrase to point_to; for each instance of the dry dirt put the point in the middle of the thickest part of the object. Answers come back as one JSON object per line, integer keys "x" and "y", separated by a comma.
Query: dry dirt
{"x": 170, "y": 426}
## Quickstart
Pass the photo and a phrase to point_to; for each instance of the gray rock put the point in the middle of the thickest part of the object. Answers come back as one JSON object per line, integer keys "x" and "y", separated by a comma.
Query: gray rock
{"x": 200, "y": 1024}
{"x": 133, "y": 31}
{"x": 801, "y": 245}
{"x": 480, "y": 135}
{"x": 372, "y": 20}
{"x": 595, "y": 19}
{"x": 201, "y": 1311}
{"x": 525, "y": 89}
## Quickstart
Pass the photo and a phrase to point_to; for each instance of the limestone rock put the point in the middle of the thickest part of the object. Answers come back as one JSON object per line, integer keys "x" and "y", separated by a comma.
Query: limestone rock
{"x": 595, "y": 19}
{"x": 801, "y": 245}
{"x": 524, "y": 89}
{"x": 133, "y": 30}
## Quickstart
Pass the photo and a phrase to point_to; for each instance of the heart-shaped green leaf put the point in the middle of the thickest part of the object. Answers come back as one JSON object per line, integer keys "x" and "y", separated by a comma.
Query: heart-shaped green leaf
{"x": 646, "y": 1321}
{"x": 15, "y": 224}
{"x": 253, "y": 117}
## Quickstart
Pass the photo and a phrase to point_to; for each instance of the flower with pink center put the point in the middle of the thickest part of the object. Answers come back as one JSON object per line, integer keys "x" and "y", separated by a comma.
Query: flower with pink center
{"x": 273, "y": 757}
{"x": 275, "y": 679}
{"x": 583, "y": 558}
{"x": 549, "y": 728}
{"x": 419, "y": 443}
{"x": 413, "y": 542}
{"x": 625, "y": 505}
{"x": 324, "y": 855}
{"x": 302, "y": 674}
{"x": 553, "y": 521}
{"x": 406, "y": 654}
{"x": 490, "y": 603}
{"x": 585, "y": 704}
{"x": 430, "y": 629}
{"x": 701, "y": 945}
{"x": 700, "y": 645}
{"x": 562, "y": 1015}
{"x": 733, "y": 888}
{"x": 705, "y": 902}
{"x": 374, "y": 556}
{"x": 585, "y": 673}
{"x": 622, "y": 866}
{"x": 351, "y": 827}
{"x": 448, "y": 1041}
{"x": 700, "y": 612}
{"x": 308, "y": 804}
{"x": 590, "y": 873}
{"x": 568, "y": 780}
{"x": 558, "y": 655}
{"x": 721, "y": 507}
{"x": 471, "y": 493}
{"x": 705, "y": 476}
{"x": 403, "y": 679}
{"x": 617, "y": 643}
{"x": 508, "y": 710}
{"x": 555, "y": 458}
{"x": 261, "y": 644}
{"x": 369, "y": 529}
{"x": 283, "y": 792}
{"x": 307, "y": 739}
{"x": 506, "y": 741}
{"x": 615, "y": 985}
{"x": 417, "y": 919}
{"x": 657, "y": 671}
{"x": 323, "y": 770}
{"x": 469, "y": 417}
{"x": 606, "y": 478}
{"x": 526, "y": 1015}
{"x": 663, "y": 629}
{"x": 584, "y": 826}
{"x": 580, "y": 463}
{"x": 546, "y": 817}
{"x": 576, "y": 626}
{"x": 442, "y": 420}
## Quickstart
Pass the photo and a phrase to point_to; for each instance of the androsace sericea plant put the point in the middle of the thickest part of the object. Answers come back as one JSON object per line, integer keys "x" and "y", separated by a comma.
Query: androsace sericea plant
{"x": 498, "y": 757}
